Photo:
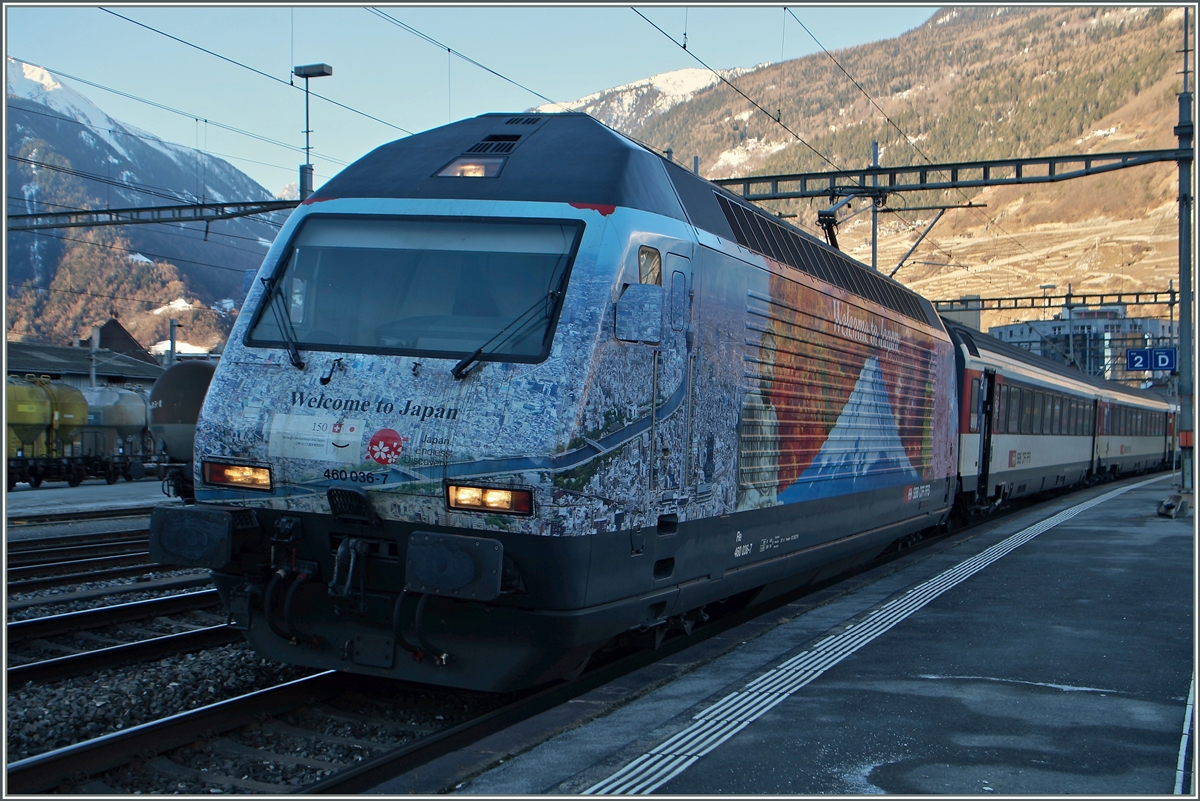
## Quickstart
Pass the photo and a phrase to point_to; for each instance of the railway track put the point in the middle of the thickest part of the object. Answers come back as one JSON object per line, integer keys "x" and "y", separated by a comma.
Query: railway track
{"x": 69, "y": 547}
{"x": 57, "y": 561}
{"x": 261, "y": 733}
{"x": 336, "y": 733}
{"x": 43, "y": 518}
{"x": 36, "y": 633}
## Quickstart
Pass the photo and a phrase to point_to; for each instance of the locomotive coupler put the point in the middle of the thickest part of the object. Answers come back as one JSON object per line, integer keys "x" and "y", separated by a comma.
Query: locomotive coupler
{"x": 351, "y": 562}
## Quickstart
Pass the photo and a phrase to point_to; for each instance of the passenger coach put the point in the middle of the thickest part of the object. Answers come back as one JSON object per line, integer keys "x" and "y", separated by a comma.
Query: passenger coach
{"x": 1029, "y": 424}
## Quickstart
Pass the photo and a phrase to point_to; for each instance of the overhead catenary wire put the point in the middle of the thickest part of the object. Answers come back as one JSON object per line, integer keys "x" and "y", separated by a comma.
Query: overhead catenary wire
{"x": 256, "y": 71}
{"x": 913, "y": 144}
{"x": 170, "y": 259}
{"x": 773, "y": 117}
{"x": 452, "y": 52}
{"x": 163, "y": 107}
{"x": 16, "y": 285}
{"x": 468, "y": 59}
{"x": 145, "y": 189}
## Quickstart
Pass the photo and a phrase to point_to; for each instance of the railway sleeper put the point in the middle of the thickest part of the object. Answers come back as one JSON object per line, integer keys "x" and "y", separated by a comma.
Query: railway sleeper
{"x": 173, "y": 770}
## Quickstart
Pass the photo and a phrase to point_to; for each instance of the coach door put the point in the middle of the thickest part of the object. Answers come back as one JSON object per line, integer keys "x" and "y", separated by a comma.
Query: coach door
{"x": 985, "y": 408}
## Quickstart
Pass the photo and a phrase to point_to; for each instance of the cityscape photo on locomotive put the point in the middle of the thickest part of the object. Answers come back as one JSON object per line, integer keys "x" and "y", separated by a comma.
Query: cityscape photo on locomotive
{"x": 516, "y": 387}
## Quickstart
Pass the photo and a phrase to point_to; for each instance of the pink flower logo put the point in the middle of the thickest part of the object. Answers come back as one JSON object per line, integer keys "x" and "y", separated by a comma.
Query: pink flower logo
{"x": 386, "y": 446}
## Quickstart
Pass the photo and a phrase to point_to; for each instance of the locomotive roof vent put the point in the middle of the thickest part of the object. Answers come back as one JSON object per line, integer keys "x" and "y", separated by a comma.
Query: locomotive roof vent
{"x": 496, "y": 143}
{"x": 522, "y": 121}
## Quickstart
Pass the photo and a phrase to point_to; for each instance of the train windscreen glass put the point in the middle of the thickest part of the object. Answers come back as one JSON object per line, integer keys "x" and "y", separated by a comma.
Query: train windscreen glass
{"x": 433, "y": 287}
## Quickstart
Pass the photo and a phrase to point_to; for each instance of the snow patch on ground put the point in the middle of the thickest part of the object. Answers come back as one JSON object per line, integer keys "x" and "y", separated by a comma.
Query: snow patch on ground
{"x": 179, "y": 304}
{"x": 1100, "y": 134}
{"x": 140, "y": 259}
{"x": 159, "y": 348}
{"x": 740, "y": 155}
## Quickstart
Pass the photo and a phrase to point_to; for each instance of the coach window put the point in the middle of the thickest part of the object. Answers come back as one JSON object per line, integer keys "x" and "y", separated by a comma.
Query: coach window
{"x": 973, "y": 420}
{"x": 1056, "y": 420}
{"x": 1047, "y": 413}
{"x": 1026, "y": 410}
{"x": 1014, "y": 411}
{"x": 1035, "y": 426}
{"x": 998, "y": 419}
{"x": 649, "y": 265}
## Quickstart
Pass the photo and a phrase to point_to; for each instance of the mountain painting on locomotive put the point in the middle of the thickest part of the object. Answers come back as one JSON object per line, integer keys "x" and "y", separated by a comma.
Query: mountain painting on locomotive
{"x": 517, "y": 386}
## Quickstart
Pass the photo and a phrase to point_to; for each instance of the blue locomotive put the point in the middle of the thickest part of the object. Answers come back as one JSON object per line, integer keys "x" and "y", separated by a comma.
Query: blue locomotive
{"x": 517, "y": 387}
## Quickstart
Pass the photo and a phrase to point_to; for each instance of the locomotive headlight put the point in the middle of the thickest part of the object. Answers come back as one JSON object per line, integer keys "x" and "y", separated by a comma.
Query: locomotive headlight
{"x": 237, "y": 475}
{"x": 489, "y": 499}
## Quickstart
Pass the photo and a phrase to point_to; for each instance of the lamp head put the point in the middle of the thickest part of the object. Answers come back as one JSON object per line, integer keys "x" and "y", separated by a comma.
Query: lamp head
{"x": 312, "y": 71}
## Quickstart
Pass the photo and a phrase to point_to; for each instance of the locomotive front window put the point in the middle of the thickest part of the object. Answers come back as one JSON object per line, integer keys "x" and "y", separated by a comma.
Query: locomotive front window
{"x": 435, "y": 287}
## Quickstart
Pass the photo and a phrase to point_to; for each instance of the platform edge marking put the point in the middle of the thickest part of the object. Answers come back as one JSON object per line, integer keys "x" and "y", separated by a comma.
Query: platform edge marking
{"x": 835, "y": 648}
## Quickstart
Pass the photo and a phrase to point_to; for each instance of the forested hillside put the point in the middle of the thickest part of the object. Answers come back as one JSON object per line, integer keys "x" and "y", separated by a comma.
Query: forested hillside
{"x": 973, "y": 84}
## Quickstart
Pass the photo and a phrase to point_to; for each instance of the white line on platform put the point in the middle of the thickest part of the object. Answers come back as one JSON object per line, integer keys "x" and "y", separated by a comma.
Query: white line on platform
{"x": 1187, "y": 735}
{"x": 720, "y": 721}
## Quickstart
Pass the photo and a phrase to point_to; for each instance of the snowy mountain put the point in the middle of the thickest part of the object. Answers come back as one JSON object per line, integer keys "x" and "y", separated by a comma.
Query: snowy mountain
{"x": 626, "y": 108}
{"x": 110, "y": 164}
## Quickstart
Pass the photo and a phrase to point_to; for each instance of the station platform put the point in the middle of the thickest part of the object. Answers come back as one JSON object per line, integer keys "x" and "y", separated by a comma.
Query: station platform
{"x": 93, "y": 495}
{"x": 1047, "y": 653}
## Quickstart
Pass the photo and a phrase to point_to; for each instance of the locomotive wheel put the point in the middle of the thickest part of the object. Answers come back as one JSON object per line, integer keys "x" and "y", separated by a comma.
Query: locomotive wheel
{"x": 35, "y": 481}
{"x": 110, "y": 475}
{"x": 127, "y": 476}
{"x": 75, "y": 479}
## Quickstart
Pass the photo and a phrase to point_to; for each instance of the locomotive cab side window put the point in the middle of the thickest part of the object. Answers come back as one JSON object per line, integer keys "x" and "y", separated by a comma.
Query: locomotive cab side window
{"x": 649, "y": 265}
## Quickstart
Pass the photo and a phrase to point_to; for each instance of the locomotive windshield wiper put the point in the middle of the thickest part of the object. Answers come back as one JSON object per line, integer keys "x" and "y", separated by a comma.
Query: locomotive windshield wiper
{"x": 284, "y": 321}
{"x": 546, "y": 302}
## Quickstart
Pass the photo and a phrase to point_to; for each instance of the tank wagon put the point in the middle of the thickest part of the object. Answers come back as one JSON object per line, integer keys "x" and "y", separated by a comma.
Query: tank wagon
{"x": 514, "y": 388}
{"x": 43, "y": 419}
{"x": 175, "y": 402}
{"x": 59, "y": 433}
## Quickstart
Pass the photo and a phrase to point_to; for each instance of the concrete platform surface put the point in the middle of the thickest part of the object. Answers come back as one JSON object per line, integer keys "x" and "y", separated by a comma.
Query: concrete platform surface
{"x": 91, "y": 495}
{"x": 1051, "y": 654}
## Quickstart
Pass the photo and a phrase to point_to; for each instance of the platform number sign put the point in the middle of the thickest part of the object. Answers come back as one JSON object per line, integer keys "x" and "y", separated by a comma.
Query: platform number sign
{"x": 1162, "y": 359}
{"x": 1141, "y": 359}
{"x": 1137, "y": 359}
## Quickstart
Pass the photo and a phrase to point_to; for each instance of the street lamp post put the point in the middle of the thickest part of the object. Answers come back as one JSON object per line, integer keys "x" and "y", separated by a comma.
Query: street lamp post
{"x": 307, "y": 71}
{"x": 1044, "y": 287}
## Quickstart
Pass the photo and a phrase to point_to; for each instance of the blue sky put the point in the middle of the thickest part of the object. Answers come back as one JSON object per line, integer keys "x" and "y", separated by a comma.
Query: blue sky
{"x": 562, "y": 52}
